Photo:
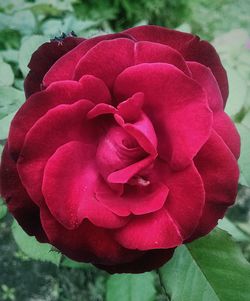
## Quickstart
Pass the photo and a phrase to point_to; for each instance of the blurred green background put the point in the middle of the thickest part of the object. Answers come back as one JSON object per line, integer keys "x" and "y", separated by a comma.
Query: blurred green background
{"x": 26, "y": 274}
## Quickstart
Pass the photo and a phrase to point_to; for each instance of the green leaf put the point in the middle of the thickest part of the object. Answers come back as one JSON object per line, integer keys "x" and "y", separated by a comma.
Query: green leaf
{"x": 129, "y": 287}
{"x": 22, "y": 21}
{"x": 3, "y": 209}
{"x": 10, "y": 100}
{"x": 31, "y": 247}
{"x": 66, "y": 262}
{"x": 246, "y": 120}
{"x": 29, "y": 45}
{"x": 209, "y": 269}
{"x": 244, "y": 160}
{"x": 231, "y": 228}
{"x": 6, "y": 74}
{"x": 237, "y": 91}
{"x": 5, "y": 125}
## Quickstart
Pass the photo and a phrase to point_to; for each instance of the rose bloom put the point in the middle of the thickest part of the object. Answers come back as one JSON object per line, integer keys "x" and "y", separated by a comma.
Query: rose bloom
{"x": 122, "y": 150}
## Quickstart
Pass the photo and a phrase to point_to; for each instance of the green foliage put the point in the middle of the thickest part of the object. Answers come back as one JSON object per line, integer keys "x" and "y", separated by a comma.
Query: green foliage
{"x": 10, "y": 100}
{"x": 28, "y": 46}
{"x": 3, "y": 209}
{"x": 209, "y": 269}
{"x": 31, "y": 247}
{"x": 244, "y": 161}
{"x": 129, "y": 287}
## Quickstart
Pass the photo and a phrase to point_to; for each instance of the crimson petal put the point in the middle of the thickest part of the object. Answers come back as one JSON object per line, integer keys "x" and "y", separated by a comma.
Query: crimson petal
{"x": 66, "y": 123}
{"x": 181, "y": 117}
{"x": 150, "y": 231}
{"x": 71, "y": 179}
{"x": 43, "y": 58}
{"x": 87, "y": 243}
{"x": 18, "y": 201}
{"x": 219, "y": 171}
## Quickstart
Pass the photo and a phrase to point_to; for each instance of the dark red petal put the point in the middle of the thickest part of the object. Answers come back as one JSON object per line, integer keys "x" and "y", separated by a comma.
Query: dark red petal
{"x": 18, "y": 201}
{"x": 64, "y": 67}
{"x": 123, "y": 175}
{"x": 148, "y": 52}
{"x": 143, "y": 132}
{"x": 225, "y": 127}
{"x": 206, "y": 79}
{"x": 175, "y": 104}
{"x": 43, "y": 58}
{"x": 58, "y": 126}
{"x": 106, "y": 60}
{"x": 204, "y": 53}
{"x": 219, "y": 171}
{"x": 58, "y": 93}
{"x": 101, "y": 109}
{"x": 157, "y": 34}
{"x": 186, "y": 197}
{"x": 130, "y": 109}
{"x": 189, "y": 46}
{"x": 149, "y": 261}
{"x": 71, "y": 179}
{"x": 156, "y": 230}
{"x": 135, "y": 201}
{"x": 86, "y": 243}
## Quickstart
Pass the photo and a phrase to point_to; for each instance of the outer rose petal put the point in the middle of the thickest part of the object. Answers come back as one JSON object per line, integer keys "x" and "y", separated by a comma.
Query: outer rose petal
{"x": 225, "y": 127}
{"x": 219, "y": 171}
{"x": 66, "y": 123}
{"x": 106, "y": 60}
{"x": 65, "y": 92}
{"x": 86, "y": 243}
{"x": 18, "y": 201}
{"x": 206, "y": 79}
{"x": 148, "y": 52}
{"x": 150, "y": 231}
{"x": 189, "y": 46}
{"x": 64, "y": 68}
{"x": 47, "y": 54}
{"x": 71, "y": 180}
{"x": 181, "y": 117}
{"x": 204, "y": 53}
{"x": 175, "y": 39}
{"x": 186, "y": 197}
{"x": 149, "y": 261}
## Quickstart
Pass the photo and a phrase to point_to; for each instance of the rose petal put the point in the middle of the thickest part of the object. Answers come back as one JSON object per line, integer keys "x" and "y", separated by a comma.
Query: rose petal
{"x": 64, "y": 67}
{"x": 149, "y": 261}
{"x": 148, "y": 52}
{"x": 151, "y": 231}
{"x": 43, "y": 58}
{"x": 87, "y": 243}
{"x": 161, "y": 35}
{"x": 181, "y": 117}
{"x": 71, "y": 179}
{"x": 66, "y": 123}
{"x": 18, "y": 201}
{"x": 206, "y": 79}
{"x": 219, "y": 171}
{"x": 186, "y": 197}
{"x": 204, "y": 53}
{"x": 123, "y": 175}
{"x": 188, "y": 45}
{"x": 65, "y": 92}
{"x": 135, "y": 200}
{"x": 225, "y": 127}
{"x": 106, "y": 60}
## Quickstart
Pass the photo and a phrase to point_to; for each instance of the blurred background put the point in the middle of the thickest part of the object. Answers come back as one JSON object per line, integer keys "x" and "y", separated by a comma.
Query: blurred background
{"x": 31, "y": 272}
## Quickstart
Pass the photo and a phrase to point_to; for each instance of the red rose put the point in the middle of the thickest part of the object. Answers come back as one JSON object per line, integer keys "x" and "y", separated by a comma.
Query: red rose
{"x": 122, "y": 150}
